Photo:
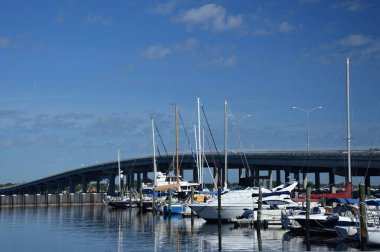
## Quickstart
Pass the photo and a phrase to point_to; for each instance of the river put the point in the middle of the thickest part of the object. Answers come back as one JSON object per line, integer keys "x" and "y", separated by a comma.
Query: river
{"x": 97, "y": 228}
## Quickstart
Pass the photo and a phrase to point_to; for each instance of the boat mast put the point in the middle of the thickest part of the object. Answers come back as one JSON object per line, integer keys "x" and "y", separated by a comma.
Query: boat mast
{"x": 225, "y": 144}
{"x": 348, "y": 119}
{"x": 118, "y": 166}
{"x": 200, "y": 164}
{"x": 196, "y": 149}
{"x": 176, "y": 146}
{"x": 154, "y": 156}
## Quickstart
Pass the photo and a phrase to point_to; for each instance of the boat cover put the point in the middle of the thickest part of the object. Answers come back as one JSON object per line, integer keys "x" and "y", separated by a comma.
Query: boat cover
{"x": 343, "y": 200}
{"x": 373, "y": 202}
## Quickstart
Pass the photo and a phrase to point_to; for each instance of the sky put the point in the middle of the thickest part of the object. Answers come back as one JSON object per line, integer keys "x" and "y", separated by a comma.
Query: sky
{"x": 79, "y": 79}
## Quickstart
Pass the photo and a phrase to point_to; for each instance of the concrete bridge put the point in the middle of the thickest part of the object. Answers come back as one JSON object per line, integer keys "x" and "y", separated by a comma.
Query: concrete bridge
{"x": 271, "y": 166}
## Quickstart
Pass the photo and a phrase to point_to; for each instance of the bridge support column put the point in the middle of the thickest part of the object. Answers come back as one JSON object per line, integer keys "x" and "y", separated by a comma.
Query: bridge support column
{"x": 317, "y": 180}
{"x": 145, "y": 177}
{"x": 297, "y": 178}
{"x": 304, "y": 176}
{"x": 195, "y": 174}
{"x": 111, "y": 185}
{"x": 278, "y": 177}
{"x": 72, "y": 185}
{"x": 84, "y": 184}
{"x": 139, "y": 180}
{"x": 47, "y": 186}
{"x": 240, "y": 172}
{"x": 256, "y": 175}
{"x": 286, "y": 175}
{"x": 331, "y": 181}
{"x": 129, "y": 180}
{"x": 270, "y": 182}
{"x": 367, "y": 184}
{"x": 132, "y": 184}
{"x": 59, "y": 188}
{"x": 98, "y": 185}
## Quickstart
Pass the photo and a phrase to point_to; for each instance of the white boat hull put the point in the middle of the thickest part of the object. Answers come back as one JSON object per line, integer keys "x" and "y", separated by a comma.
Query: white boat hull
{"x": 373, "y": 235}
{"x": 210, "y": 213}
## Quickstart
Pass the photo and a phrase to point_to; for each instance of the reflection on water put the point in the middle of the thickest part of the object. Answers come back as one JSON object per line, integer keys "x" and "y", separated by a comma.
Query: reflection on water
{"x": 96, "y": 228}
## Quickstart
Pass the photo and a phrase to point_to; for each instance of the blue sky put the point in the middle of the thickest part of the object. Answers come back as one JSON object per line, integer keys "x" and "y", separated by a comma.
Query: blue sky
{"x": 80, "y": 78}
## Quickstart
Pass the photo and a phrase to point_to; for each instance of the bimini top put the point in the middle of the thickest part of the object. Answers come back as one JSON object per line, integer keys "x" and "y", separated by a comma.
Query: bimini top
{"x": 370, "y": 202}
{"x": 343, "y": 200}
{"x": 373, "y": 202}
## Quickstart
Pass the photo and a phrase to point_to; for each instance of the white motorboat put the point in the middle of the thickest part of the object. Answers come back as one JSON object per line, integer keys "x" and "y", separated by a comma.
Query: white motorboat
{"x": 235, "y": 202}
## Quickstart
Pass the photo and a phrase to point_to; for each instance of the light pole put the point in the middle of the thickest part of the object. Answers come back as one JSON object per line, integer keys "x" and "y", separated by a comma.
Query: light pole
{"x": 307, "y": 112}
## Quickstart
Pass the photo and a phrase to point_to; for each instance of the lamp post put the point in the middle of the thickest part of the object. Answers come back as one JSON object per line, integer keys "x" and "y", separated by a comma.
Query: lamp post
{"x": 307, "y": 112}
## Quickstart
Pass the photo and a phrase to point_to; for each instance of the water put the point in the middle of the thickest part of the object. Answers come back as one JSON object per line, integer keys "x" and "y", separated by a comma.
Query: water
{"x": 96, "y": 228}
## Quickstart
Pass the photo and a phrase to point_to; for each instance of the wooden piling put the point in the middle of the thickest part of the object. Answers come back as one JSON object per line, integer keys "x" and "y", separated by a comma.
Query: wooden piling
{"x": 363, "y": 219}
{"x": 260, "y": 205}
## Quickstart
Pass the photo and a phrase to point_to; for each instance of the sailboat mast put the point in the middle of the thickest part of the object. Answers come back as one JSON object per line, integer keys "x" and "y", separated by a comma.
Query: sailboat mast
{"x": 118, "y": 167}
{"x": 348, "y": 119}
{"x": 225, "y": 144}
{"x": 154, "y": 155}
{"x": 200, "y": 164}
{"x": 176, "y": 145}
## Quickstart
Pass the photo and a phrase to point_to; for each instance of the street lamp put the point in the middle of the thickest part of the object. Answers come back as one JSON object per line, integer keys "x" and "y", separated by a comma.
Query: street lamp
{"x": 307, "y": 112}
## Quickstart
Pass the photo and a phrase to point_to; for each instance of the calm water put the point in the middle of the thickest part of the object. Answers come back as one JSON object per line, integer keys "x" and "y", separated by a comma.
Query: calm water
{"x": 96, "y": 228}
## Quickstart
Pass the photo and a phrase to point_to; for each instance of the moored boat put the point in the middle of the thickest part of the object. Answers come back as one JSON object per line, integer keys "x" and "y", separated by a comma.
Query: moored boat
{"x": 235, "y": 202}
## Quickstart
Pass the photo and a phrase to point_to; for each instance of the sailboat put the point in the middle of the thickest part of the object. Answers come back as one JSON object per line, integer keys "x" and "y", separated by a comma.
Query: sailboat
{"x": 327, "y": 222}
{"x": 347, "y": 193}
{"x": 122, "y": 201}
{"x": 180, "y": 185}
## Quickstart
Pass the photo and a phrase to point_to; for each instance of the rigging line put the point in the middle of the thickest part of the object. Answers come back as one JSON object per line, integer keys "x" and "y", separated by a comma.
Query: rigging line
{"x": 187, "y": 136}
{"x": 213, "y": 160}
{"x": 244, "y": 161}
{"x": 159, "y": 152}
{"x": 162, "y": 142}
{"x": 212, "y": 176}
{"x": 213, "y": 140}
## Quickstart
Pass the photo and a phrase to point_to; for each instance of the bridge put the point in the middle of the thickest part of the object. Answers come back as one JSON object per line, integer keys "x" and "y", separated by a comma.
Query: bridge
{"x": 271, "y": 166}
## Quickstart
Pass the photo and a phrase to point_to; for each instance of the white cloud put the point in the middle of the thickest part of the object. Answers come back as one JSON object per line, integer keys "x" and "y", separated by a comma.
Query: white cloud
{"x": 355, "y": 40}
{"x": 286, "y": 27}
{"x": 350, "y": 5}
{"x": 95, "y": 19}
{"x": 223, "y": 62}
{"x": 187, "y": 45}
{"x": 210, "y": 17}
{"x": 4, "y": 42}
{"x": 267, "y": 27}
{"x": 373, "y": 50}
{"x": 358, "y": 46}
{"x": 164, "y": 8}
{"x": 156, "y": 52}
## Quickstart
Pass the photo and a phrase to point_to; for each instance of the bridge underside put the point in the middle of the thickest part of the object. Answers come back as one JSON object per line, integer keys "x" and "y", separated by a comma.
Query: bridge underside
{"x": 270, "y": 167}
